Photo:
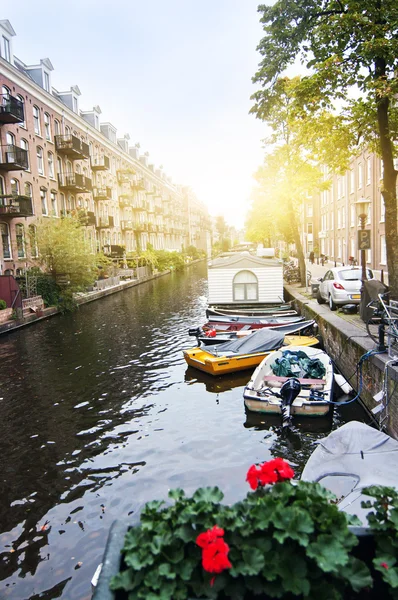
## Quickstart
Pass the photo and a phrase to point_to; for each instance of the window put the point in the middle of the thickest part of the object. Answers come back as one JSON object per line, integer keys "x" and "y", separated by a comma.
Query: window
{"x": 10, "y": 138}
{"x": 57, "y": 129}
{"x": 36, "y": 120}
{"x": 2, "y": 188}
{"x": 339, "y": 247}
{"x": 5, "y": 240}
{"x": 338, "y": 219}
{"x": 67, "y": 130}
{"x": 25, "y": 146}
{"x": 7, "y": 51}
{"x": 54, "y": 206}
{"x": 59, "y": 166}
{"x": 309, "y": 227}
{"x": 353, "y": 215}
{"x": 28, "y": 189}
{"x": 51, "y": 165}
{"x": 20, "y": 236}
{"x": 245, "y": 286}
{"x": 33, "y": 241}
{"x": 382, "y": 210}
{"x": 21, "y": 99}
{"x": 14, "y": 184}
{"x": 343, "y": 217}
{"x": 368, "y": 170}
{"x": 75, "y": 109}
{"x": 352, "y": 181}
{"x": 62, "y": 203}
{"x": 46, "y": 81}
{"x": 40, "y": 163}
{"x": 309, "y": 210}
{"x": 383, "y": 250}
{"x": 360, "y": 175}
{"x": 43, "y": 198}
{"x": 47, "y": 126}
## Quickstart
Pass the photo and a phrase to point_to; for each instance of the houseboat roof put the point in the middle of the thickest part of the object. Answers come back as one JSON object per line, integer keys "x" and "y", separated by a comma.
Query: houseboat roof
{"x": 242, "y": 260}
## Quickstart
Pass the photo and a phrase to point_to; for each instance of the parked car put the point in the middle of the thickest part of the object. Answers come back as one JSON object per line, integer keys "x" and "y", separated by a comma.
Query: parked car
{"x": 341, "y": 285}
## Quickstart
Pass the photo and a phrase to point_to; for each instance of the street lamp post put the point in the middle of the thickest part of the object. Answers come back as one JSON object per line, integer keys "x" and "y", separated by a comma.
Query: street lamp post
{"x": 363, "y": 235}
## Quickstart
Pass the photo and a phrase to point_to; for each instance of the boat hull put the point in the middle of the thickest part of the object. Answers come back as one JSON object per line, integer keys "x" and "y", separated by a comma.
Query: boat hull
{"x": 306, "y": 409}
{"x": 200, "y": 359}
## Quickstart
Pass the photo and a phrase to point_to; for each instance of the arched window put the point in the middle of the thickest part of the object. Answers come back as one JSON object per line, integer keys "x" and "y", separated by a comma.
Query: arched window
{"x": 5, "y": 240}
{"x": 54, "y": 203}
{"x": 2, "y": 188}
{"x": 69, "y": 170}
{"x": 40, "y": 161}
{"x": 77, "y": 168}
{"x": 50, "y": 163}
{"x": 43, "y": 198}
{"x": 28, "y": 189}
{"x": 5, "y": 91}
{"x": 22, "y": 100}
{"x": 33, "y": 241}
{"x": 245, "y": 286}
{"x": 10, "y": 138}
{"x": 36, "y": 120}
{"x": 25, "y": 146}
{"x": 47, "y": 126}
{"x": 14, "y": 184}
{"x": 20, "y": 236}
{"x": 57, "y": 129}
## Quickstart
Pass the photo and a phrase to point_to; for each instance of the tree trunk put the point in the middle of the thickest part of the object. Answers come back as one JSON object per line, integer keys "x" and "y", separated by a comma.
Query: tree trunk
{"x": 296, "y": 236}
{"x": 389, "y": 191}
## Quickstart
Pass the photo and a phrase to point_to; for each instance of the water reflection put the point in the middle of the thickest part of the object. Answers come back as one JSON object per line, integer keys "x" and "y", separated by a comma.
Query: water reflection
{"x": 216, "y": 385}
{"x": 99, "y": 414}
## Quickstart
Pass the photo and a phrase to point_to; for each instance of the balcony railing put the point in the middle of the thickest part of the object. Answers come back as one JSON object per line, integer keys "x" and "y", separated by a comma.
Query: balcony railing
{"x": 72, "y": 146}
{"x": 138, "y": 226}
{"x": 13, "y": 158}
{"x": 16, "y": 206}
{"x": 74, "y": 182}
{"x": 138, "y": 184}
{"x": 105, "y": 222}
{"x": 126, "y": 225}
{"x": 87, "y": 218}
{"x": 11, "y": 109}
{"x": 102, "y": 193}
{"x": 100, "y": 162}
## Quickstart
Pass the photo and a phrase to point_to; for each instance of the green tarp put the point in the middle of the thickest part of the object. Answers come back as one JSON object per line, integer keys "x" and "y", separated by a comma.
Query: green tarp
{"x": 298, "y": 364}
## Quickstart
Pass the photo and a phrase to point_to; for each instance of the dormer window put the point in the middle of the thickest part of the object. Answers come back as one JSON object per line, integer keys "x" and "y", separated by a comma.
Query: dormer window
{"x": 75, "y": 107}
{"x": 46, "y": 81}
{"x": 7, "y": 50}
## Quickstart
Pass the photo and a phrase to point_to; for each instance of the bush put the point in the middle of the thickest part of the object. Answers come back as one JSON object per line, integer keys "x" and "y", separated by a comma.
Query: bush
{"x": 3, "y": 304}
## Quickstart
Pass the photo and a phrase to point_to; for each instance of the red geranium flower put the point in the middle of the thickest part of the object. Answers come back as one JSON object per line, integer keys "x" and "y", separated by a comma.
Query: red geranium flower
{"x": 209, "y": 536}
{"x": 269, "y": 472}
{"x": 384, "y": 565}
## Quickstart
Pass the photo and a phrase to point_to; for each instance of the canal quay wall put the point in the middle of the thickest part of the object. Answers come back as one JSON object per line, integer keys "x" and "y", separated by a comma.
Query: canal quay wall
{"x": 346, "y": 340}
{"x": 82, "y": 298}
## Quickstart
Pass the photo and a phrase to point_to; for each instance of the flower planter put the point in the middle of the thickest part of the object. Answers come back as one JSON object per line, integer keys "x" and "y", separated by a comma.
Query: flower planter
{"x": 5, "y": 315}
{"x": 112, "y": 562}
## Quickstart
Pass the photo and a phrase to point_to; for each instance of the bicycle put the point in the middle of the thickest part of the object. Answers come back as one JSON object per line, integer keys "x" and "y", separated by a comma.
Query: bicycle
{"x": 385, "y": 317}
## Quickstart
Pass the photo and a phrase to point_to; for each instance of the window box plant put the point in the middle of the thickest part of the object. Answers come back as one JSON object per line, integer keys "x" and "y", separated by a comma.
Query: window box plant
{"x": 283, "y": 540}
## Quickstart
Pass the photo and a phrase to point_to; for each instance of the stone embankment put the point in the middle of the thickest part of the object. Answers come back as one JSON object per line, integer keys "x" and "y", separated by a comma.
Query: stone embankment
{"x": 346, "y": 341}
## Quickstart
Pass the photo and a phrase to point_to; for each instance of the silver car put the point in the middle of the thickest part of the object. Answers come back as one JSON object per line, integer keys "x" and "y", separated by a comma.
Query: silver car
{"x": 341, "y": 285}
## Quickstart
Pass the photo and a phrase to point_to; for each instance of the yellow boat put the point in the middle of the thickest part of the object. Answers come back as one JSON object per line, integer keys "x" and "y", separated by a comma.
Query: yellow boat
{"x": 228, "y": 362}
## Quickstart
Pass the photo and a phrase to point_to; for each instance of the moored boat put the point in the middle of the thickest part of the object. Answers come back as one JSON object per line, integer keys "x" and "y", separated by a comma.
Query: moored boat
{"x": 212, "y": 336}
{"x": 251, "y": 311}
{"x": 238, "y": 323}
{"x": 353, "y": 457}
{"x": 241, "y": 354}
{"x": 292, "y": 381}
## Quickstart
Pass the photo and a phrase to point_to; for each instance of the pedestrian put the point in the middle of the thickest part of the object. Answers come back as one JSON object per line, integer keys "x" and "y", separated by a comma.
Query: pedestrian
{"x": 323, "y": 259}
{"x": 312, "y": 256}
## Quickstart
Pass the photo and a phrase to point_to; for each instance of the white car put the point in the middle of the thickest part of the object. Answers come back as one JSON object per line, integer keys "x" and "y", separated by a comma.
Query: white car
{"x": 341, "y": 285}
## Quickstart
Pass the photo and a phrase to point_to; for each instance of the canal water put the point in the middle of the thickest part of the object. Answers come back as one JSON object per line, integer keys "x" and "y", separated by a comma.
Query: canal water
{"x": 99, "y": 414}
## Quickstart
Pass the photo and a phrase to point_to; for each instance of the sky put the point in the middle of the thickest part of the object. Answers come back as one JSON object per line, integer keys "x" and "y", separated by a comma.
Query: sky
{"x": 173, "y": 74}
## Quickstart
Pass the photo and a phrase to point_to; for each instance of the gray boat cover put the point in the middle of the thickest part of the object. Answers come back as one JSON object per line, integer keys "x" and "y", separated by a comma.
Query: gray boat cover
{"x": 351, "y": 458}
{"x": 262, "y": 340}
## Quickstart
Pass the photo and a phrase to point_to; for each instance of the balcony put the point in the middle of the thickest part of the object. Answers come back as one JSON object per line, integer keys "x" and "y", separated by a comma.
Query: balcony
{"x": 105, "y": 222}
{"x": 102, "y": 193}
{"x": 141, "y": 226}
{"x": 126, "y": 225}
{"x": 74, "y": 182}
{"x": 13, "y": 158}
{"x": 87, "y": 218}
{"x": 100, "y": 163}
{"x": 114, "y": 251}
{"x": 138, "y": 184}
{"x": 15, "y": 206}
{"x": 71, "y": 146}
{"x": 11, "y": 109}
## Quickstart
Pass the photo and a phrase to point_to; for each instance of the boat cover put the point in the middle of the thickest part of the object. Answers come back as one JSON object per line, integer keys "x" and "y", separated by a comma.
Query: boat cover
{"x": 262, "y": 340}
{"x": 351, "y": 458}
{"x": 298, "y": 364}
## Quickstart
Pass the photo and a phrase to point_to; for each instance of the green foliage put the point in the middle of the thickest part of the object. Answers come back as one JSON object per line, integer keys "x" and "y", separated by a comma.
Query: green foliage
{"x": 285, "y": 541}
{"x": 3, "y": 304}
{"x": 169, "y": 260}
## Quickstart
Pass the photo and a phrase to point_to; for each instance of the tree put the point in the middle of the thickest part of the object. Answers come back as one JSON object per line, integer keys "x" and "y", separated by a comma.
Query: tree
{"x": 64, "y": 251}
{"x": 290, "y": 173}
{"x": 345, "y": 44}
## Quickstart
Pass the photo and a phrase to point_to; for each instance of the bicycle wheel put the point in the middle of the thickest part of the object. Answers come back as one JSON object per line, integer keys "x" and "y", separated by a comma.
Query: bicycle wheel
{"x": 374, "y": 332}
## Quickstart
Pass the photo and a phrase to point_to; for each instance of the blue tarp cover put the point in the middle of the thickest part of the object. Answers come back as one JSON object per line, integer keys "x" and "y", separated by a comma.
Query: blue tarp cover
{"x": 262, "y": 340}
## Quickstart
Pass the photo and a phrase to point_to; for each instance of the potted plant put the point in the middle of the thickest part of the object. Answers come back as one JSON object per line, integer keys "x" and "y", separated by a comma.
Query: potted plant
{"x": 283, "y": 540}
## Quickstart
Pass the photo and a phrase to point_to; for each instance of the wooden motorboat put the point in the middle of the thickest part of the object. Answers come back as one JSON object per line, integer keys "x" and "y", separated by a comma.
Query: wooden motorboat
{"x": 351, "y": 458}
{"x": 241, "y": 354}
{"x": 246, "y": 311}
{"x": 312, "y": 395}
{"x": 212, "y": 336}
{"x": 238, "y": 323}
